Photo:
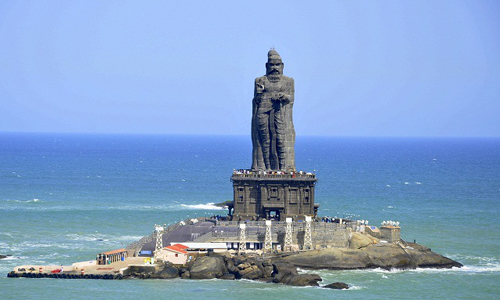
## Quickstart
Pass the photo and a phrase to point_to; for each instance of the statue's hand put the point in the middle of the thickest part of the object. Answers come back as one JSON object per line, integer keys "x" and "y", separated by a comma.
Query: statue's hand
{"x": 259, "y": 87}
{"x": 282, "y": 97}
{"x": 276, "y": 96}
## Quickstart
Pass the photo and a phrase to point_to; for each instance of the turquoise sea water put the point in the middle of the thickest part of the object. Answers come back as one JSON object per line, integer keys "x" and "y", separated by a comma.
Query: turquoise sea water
{"x": 64, "y": 198}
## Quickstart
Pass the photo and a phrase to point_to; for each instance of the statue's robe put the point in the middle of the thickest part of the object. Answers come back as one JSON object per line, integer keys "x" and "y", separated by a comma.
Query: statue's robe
{"x": 273, "y": 134}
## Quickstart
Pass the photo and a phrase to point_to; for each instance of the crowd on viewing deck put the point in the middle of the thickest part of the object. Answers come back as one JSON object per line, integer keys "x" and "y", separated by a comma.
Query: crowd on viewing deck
{"x": 219, "y": 218}
{"x": 329, "y": 220}
{"x": 270, "y": 173}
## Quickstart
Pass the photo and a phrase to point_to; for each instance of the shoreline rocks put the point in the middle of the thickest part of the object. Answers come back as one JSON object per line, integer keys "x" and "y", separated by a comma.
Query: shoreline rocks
{"x": 363, "y": 253}
{"x": 208, "y": 267}
{"x": 337, "y": 286}
{"x": 230, "y": 268}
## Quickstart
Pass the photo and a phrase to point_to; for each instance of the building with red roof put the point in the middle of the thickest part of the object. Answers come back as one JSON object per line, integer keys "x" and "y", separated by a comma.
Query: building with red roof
{"x": 176, "y": 254}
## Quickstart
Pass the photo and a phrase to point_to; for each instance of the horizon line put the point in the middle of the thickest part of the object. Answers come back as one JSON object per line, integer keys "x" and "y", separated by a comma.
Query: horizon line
{"x": 240, "y": 135}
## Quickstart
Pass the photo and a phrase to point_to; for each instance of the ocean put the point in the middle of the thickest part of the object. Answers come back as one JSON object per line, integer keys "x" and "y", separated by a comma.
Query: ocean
{"x": 66, "y": 197}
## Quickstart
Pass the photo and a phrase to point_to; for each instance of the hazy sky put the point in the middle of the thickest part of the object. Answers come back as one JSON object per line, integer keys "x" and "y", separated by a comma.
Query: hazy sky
{"x": 361, "y": 68}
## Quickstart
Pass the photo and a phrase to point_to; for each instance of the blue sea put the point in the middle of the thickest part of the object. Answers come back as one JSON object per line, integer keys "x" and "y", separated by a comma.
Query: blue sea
{"x": 66, "y": 197}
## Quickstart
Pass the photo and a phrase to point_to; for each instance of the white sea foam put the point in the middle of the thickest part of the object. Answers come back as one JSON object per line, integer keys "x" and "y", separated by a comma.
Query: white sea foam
{"x": 87, "y": 237}
{"x": 28, "y": 246}
{"x": 130, "y": 237}
{"x": 11, "y": 258}
{"x": 465, "y": 269}
{"x": 354, "y": 288}
{"x": 36, "y": 200}
{"x": 169, "y": 207}
{"x": 208, "y": 206}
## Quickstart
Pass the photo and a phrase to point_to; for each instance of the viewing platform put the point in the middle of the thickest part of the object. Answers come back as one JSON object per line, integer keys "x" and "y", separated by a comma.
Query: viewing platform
{"x": 272, "y": 175}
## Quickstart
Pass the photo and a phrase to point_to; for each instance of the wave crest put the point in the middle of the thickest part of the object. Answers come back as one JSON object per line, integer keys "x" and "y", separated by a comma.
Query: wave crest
{"x": 208, "y": 206}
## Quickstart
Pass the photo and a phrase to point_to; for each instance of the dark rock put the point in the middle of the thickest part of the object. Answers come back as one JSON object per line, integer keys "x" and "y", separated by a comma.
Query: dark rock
{"x": 167, "y": 273}
{"x": 283, "y": 271}
{"x": 267, "y": 271}
{"x": 138, "y": 270}
{"x": 337, "y": 286}
{"x": 208, "y": 267}
{"x": 284, "y": 268}
{"x": 230, "y": 266}
{"x": 302, "y": 280}
{"x": 252, "y": 272}
{"x": 186, "y": 275}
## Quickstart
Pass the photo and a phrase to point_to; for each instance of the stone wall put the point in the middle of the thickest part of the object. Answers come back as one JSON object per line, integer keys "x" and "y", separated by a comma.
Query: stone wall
{"x": 391, "y": 234}
{"x": 259, "y": 197}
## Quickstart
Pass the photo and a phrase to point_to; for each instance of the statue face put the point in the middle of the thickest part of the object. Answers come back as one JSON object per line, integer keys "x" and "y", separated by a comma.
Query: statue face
{"x": 274, "y": 67}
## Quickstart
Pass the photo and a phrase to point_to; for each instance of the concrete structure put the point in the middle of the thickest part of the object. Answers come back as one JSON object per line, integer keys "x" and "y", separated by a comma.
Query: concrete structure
{"x": 288, "y": 235}
{"x": 390, "y": 233}
{"x": 176, "y": 254}
{"x": 268, "y": 243}
{"x": 206, "y": 247}
{"x": 373, "y": 231}
{"x": 159, "y": 241}
{"x": 273, "y": 196}
{"x": 308, "y": 235}
{"x": 108, "y": 257}
{"x": 243, "y": 239}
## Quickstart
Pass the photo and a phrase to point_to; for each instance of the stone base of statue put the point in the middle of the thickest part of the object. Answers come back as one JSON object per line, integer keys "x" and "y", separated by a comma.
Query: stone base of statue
{"x": 272, "y": 196}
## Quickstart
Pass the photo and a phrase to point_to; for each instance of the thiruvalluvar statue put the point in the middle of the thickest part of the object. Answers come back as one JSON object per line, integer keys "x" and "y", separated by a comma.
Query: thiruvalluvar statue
{"x": 273, "y": 134}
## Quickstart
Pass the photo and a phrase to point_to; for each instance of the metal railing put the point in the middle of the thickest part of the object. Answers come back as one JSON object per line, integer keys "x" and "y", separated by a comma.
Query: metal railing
{"x": 323, "y": 232}
{"x": 275, "y": 176}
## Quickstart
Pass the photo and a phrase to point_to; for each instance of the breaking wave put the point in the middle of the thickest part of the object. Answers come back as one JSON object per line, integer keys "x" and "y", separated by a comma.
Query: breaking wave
{"x": 465, "y": 269}
{"x": 87, "y": 207}
{"x": 26, "y": 201}
{"x": 208, "y": 206}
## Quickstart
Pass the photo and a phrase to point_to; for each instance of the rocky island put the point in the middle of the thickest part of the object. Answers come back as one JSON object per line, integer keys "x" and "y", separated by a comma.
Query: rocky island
{"x": 272, "y": 226}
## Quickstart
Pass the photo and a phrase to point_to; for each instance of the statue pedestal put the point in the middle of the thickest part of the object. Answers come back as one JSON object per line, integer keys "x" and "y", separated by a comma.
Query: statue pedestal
{"x": 273, "y": 196}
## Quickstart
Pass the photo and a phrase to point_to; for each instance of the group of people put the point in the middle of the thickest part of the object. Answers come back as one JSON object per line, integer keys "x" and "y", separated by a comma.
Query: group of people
{"x": 219, "y": 218}
{"x": 329, "y": 220}
{"x": 268, "y": 173}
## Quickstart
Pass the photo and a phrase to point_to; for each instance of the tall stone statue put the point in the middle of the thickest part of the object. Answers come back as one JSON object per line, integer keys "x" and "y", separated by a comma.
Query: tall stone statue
{"x": 273, "y": 135}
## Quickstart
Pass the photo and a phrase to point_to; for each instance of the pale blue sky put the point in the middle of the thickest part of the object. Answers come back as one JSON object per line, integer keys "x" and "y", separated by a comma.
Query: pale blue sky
{"x": 361, "y": 68}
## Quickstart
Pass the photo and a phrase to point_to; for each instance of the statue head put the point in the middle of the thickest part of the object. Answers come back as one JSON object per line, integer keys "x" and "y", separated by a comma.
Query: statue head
{"x": 274, "y": 65}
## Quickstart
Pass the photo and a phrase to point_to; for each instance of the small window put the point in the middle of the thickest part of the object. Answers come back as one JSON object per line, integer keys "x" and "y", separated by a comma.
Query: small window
{"x": 176, "y": 255}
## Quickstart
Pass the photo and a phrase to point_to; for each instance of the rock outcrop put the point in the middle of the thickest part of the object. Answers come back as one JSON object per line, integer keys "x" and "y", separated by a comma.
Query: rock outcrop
{"x": 386, "y": 256}
{"x": 364, "y": 252}
{"x": 337, "y": 286}
{"x": 286, "y": 273}
{"x": 359, "y": 240}
{"x": 208, "y": 267}
{"x": 168, "y": 272}
{"x": 230, "y": 268}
